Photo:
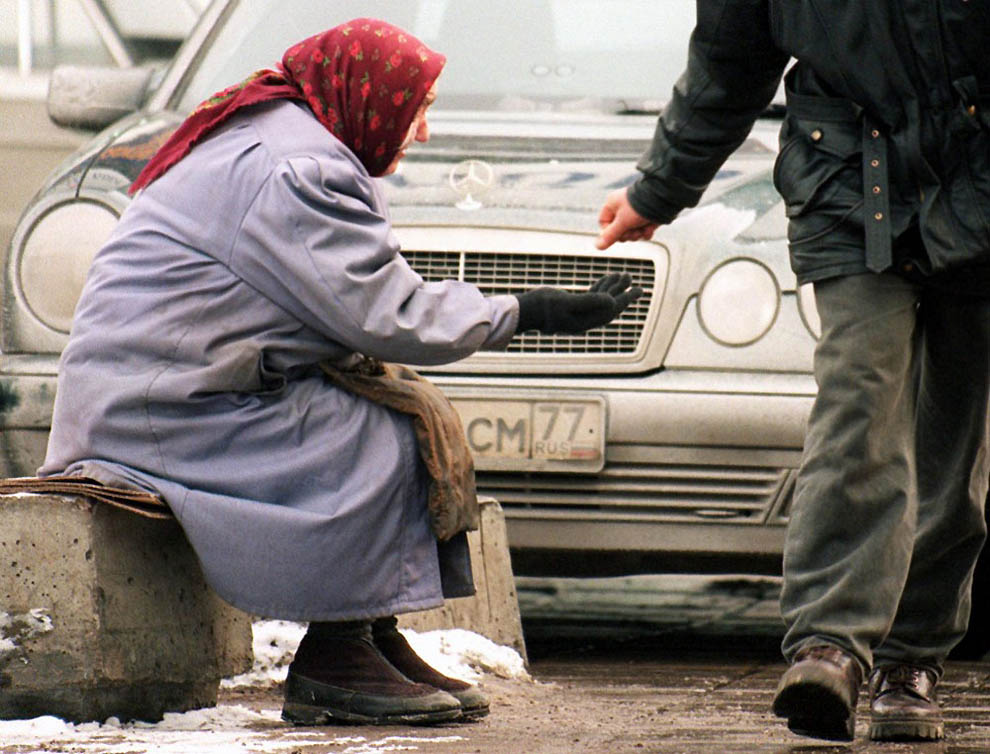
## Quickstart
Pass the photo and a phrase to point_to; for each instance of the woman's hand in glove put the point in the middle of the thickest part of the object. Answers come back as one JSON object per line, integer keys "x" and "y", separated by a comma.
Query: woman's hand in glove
{"x": 552, "y": 310}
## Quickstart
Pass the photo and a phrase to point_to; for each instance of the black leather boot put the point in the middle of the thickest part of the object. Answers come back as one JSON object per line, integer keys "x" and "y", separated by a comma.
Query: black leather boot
{"x": 818, "y": 692}
{"x": 903, "y": 706}
{"x": 396, "y": 649}
{"x": 339, "y": 676}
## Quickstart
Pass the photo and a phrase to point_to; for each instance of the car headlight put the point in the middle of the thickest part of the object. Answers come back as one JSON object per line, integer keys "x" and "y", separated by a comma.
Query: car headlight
{"x": 739, "y": 302}
{"x": 55, "y": 256}
{"x": 809, "y": 310}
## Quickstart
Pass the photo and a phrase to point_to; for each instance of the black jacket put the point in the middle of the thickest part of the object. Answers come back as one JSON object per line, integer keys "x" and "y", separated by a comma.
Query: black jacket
{"x": 887, "y": 126}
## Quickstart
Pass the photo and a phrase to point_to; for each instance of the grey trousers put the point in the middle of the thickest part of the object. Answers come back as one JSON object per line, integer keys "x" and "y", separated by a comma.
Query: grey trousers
{"x": 887, "y": 520}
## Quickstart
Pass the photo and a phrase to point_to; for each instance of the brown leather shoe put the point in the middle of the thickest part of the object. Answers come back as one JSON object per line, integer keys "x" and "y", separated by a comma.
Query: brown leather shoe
{"x": 339, "y": 676}
{"x": 903, "y": 706}
{"x": 818, "y": 692}
{"x": 391, "y": 643}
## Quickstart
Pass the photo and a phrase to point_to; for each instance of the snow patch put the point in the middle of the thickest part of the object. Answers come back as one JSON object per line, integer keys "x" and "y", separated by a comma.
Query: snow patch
{"x": 398, "y": 743}
{"x": 235, "y": 729}
{"x": 466, "y": 655}
{"x": 275, "y": 643}
{"x": 454, "y": 652}
{"x": 225, "y": 729}
{"x": 15, "y": 628}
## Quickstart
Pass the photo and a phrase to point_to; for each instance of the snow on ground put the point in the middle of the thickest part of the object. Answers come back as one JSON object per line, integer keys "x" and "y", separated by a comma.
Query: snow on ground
{"x": 236, "y": 729}
{"x": 454, "y": 652}
{"x": 225, "y": 729}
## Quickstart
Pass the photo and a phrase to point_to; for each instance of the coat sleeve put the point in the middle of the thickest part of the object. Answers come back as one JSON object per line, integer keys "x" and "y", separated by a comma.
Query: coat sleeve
{"x": 316, "y": 241}
{"x": 733, "y": 71}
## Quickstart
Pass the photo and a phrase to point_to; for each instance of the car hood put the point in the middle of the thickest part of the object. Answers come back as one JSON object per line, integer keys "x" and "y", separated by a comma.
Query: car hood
{"x": 517, "y": 171}
{"x": 553, "y": 174}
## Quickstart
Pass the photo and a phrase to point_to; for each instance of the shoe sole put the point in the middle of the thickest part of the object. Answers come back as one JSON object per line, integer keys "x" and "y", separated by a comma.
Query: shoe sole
{"x": 306, "y": 714}
{"x": 815, "y": 711}
{"x": 474, "y": 713}
{"x": 906, "y": 730}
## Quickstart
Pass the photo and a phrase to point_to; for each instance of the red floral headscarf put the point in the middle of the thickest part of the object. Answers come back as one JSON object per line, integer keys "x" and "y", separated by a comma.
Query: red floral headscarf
{"x": 363, "y": 80}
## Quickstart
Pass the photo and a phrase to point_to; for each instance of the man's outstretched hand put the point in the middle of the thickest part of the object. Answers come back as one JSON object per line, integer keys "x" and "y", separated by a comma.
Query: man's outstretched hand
{"x": 552, "y": 310}
{"x": 620, "y": 222}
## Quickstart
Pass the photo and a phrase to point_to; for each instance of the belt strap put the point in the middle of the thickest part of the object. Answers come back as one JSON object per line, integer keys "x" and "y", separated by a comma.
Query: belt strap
{"x": 876, "y": 180}
{"x": 876, "y": 197}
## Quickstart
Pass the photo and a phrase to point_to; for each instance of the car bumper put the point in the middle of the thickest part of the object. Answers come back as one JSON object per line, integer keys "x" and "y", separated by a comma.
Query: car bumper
{"x": 698, "y": 473}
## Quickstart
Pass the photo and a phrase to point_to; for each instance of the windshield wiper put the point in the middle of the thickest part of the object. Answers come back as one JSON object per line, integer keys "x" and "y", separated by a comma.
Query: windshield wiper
{"x": 775, "y": 110}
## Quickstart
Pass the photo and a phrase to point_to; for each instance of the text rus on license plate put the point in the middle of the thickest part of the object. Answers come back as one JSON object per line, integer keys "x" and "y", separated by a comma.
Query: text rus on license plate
{"x": 534, "y": 434}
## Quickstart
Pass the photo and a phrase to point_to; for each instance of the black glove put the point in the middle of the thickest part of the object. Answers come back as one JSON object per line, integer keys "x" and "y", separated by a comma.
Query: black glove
{"x": 552, "y": 310}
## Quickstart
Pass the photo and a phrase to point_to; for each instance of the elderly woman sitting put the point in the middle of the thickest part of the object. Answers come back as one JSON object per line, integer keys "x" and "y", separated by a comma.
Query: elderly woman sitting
{"x": 210, "y": 354}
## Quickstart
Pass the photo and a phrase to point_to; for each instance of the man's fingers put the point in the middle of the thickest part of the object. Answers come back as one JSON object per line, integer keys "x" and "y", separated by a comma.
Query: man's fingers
{"x": 641, "y": 233}
{"x": 609, "y": 235}
{"x": 620, "y": 222}
{"x": 625, "y": 228}
{"x": 607, "y": 214}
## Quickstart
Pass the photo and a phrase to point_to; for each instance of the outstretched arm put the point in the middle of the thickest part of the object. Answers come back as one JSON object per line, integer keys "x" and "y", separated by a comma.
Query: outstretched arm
{"x": 732, "y": 74}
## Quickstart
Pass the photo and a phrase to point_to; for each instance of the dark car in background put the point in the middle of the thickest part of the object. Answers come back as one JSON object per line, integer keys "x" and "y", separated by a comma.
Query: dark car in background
{"x": 665, "y": 441}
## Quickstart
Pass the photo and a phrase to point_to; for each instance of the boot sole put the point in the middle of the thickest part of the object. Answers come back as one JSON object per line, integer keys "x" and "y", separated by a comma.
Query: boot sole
{"x": 906, "y": 730}
{"x": 815, "y": 711}
{"x": 307, "y": 714}
{"x": 309, "y": 702}
{"x": 474, "y": 713}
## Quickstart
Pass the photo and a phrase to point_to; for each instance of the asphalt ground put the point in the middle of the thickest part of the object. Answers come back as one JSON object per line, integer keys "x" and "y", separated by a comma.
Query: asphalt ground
{"x": 646, "y": 664}
{"x": 651, "y": 664}
{"x": 682, "y": 664}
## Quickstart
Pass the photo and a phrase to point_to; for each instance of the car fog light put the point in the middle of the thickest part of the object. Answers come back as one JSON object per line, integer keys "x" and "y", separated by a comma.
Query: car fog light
{"x": 739, "y": 302}
{"x": 55, "y": 258}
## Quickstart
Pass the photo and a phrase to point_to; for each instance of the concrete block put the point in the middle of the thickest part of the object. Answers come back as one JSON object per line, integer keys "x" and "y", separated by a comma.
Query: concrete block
{"x": 493, "y": 611}
{"x": 106, "y": 613}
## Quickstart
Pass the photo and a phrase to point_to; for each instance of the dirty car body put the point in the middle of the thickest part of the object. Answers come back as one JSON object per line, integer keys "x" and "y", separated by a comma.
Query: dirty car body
{"x": 667, "y": 440}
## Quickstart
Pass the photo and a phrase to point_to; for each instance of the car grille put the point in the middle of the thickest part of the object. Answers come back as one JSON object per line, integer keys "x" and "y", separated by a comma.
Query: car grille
{"x": 632, "y": 491}
{"x": 502, "y": 273}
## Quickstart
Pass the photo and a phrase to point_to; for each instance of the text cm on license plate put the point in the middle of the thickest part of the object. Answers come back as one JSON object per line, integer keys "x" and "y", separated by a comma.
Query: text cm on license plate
{"x": 534, "y": 434}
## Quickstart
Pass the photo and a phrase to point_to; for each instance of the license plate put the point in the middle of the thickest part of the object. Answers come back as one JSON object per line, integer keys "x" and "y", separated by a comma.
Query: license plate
{"x": 533, "y": 434}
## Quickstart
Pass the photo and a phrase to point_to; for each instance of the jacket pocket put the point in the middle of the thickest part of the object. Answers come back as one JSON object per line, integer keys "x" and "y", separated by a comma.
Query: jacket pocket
{"x": 974, "y": 188}
{"x": 818, "y": 171}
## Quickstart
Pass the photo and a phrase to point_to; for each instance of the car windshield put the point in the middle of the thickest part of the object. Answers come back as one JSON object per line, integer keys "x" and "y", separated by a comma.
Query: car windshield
{"x": 563, "y": 55}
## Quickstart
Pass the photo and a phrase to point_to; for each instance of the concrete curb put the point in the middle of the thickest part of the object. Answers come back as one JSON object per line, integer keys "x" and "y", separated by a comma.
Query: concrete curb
{"x": 493, "y": 611}
{"x": 105, "y": 613}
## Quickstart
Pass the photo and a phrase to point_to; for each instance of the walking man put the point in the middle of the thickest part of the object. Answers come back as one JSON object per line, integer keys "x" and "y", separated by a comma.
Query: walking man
{"x": 884, "y": 168}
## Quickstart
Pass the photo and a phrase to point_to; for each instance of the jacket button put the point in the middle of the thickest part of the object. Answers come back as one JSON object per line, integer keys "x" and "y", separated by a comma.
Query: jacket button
{"x": 816, "y": 135}
{"x": 875, "y": 134}
{"x": 874, "y": 163}
{"x": 878, "y": 216}
{"x": 876, "y": 189}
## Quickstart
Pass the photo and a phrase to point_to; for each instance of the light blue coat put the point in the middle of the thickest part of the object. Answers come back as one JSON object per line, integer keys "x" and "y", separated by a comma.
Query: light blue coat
{"x": 190, "y": 372}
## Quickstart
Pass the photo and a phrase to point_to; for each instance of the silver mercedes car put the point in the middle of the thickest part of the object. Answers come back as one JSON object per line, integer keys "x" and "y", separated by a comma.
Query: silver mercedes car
{"x": 668, "y": 439}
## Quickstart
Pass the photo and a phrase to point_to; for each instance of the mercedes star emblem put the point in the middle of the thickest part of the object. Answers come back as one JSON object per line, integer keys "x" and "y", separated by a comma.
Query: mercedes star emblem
{"x": 471, "y": 179}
